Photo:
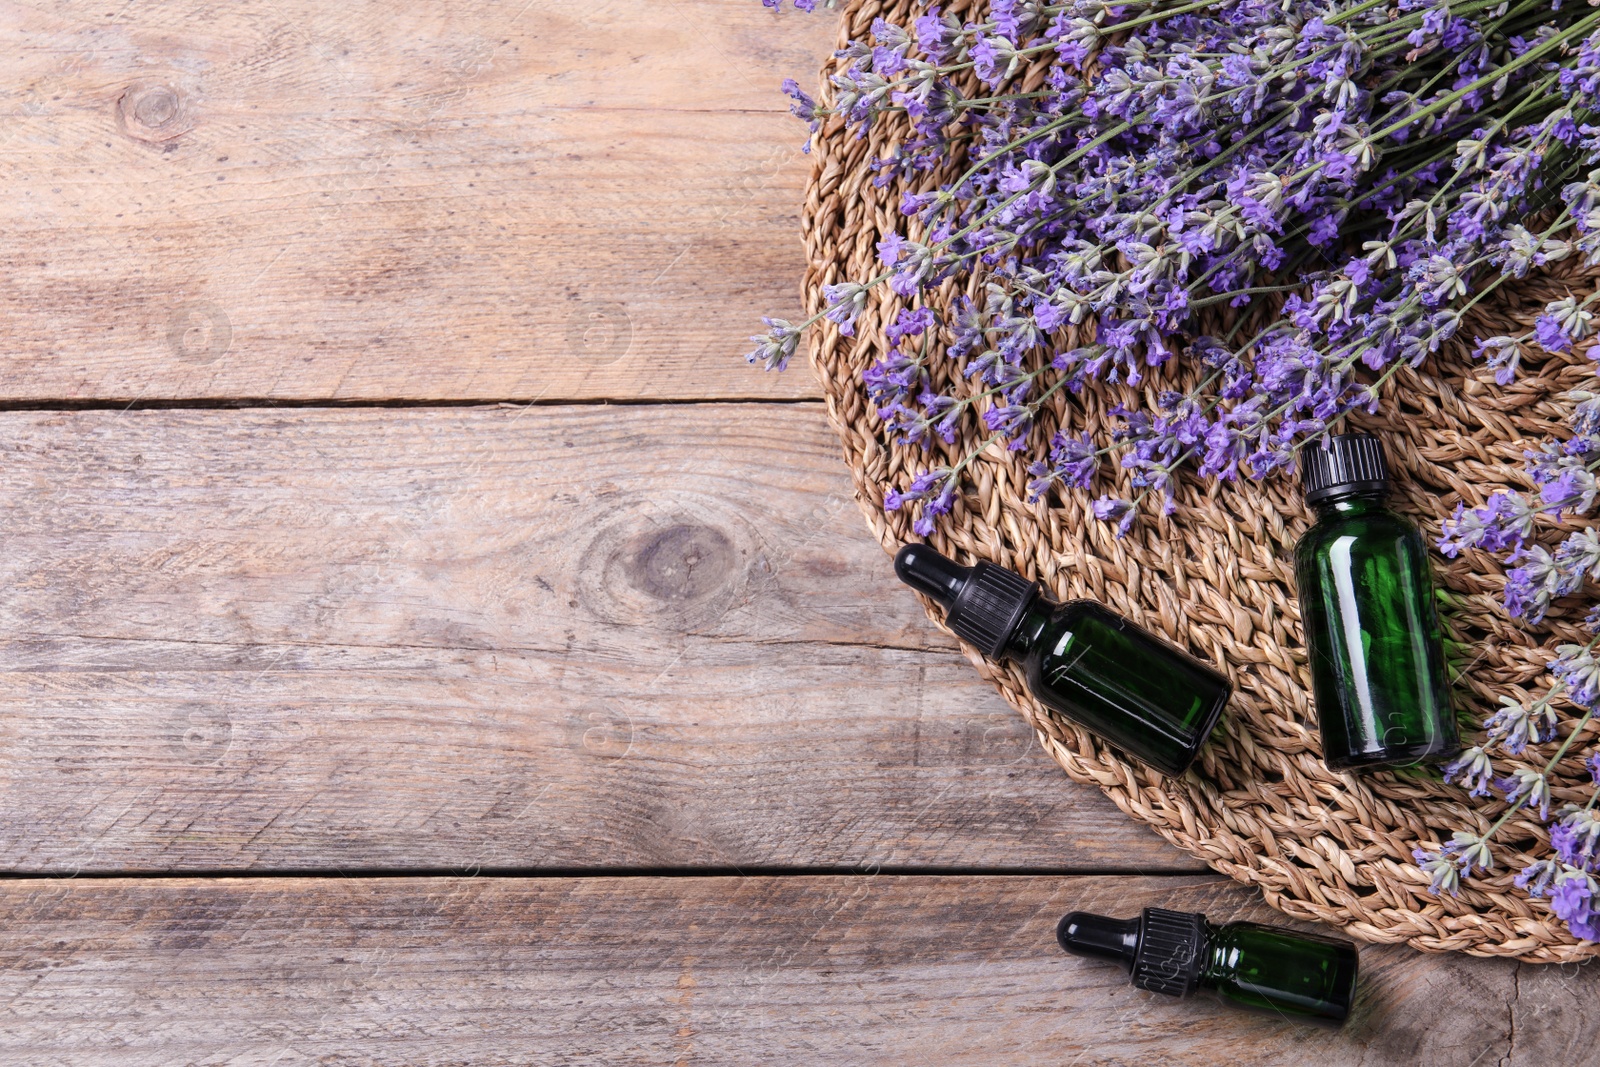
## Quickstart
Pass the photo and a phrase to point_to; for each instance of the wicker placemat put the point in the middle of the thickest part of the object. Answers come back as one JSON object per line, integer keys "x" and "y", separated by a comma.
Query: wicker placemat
{"x": 1216, "y": 577}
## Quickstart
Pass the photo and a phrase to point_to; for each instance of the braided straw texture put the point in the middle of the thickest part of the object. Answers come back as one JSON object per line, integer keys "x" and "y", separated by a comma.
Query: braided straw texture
{"x": 1216, "y": 577}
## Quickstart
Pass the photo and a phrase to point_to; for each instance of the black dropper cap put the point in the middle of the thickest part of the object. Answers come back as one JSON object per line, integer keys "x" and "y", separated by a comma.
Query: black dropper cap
{"x": 1349, "y": 463}
{"x": 1164, "y": 951}
{"x": 983, "y": 603}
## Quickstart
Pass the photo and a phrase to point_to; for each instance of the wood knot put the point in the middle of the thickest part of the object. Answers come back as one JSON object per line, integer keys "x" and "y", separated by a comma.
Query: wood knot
{"x": 677, "y": 564}
{"x": 154, "y": 112}
{"x": 683, "y": 562}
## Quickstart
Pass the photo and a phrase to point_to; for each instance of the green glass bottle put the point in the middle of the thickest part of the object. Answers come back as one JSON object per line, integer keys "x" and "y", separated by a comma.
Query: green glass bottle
{"x": 1264, "y": 968}
{"x": 1152, "y": 701}
{"x": 1366, "y": 601}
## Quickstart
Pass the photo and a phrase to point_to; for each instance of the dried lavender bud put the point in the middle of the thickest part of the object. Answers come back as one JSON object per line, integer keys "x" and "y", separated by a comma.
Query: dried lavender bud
{"x": 1362, "y": 174}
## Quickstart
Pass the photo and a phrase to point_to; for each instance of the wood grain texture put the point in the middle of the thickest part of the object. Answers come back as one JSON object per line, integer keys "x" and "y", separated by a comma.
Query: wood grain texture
{"x": 580, "y": 637}
{"x": 437, "y": 199}
{"x": 814, "y": 970}
{"x": 547, "y": 638}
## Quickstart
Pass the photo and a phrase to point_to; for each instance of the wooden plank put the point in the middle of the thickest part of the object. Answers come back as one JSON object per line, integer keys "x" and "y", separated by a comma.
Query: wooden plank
{"x": 546, "y": 637}
{"x": 360, "y": 201}
{"x": 814, "y": 970}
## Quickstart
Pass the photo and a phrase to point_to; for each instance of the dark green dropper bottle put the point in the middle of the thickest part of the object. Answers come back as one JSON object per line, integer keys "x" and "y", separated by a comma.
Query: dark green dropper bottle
{"x": 1366, "y": 599}
{"x": 1121, "y": 683}
{"x": 1265, "y": 968}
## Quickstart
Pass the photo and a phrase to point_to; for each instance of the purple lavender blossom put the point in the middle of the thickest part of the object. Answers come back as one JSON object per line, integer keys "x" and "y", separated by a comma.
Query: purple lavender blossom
{"x": 845, "y": 302}
{"x": 777, "y": 346}
{"x": 803, "y": 107}
{"x": 1113, "y": 509}
{"x": 1573, "y": 901}
{"x": 1575, "y": 838}
{"x": 935, "y": 492}
{"x": 1547, "y": 331}
{"x": 1515, "y": 726}
{"x": 1073, "y": 461}
{"x": 1500, "y": 525}
{"x": 1538, "y": 877}
{"x": 1528, "y": 788}
{"x": 1530, "y": 586}
{"x": 1441, "y": 868}
{"x": 1087, "y": 169}
{"x": 1353, "y": 175}
{"x": 1578, "y": 671}
{"x": 1472, "y": 769}
{"x": 1459, "y": 858}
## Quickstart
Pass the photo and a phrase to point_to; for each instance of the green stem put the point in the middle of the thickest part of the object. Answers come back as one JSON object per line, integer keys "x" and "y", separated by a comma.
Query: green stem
{"x": 1493, "y": 76}
{"x": 1550, "y": 764}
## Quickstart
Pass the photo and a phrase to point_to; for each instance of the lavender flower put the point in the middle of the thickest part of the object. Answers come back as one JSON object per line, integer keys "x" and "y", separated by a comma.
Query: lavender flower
{"x": 1108, "y": 509}
{"x": 845, "y": 302}
{"x": 1573, "y": 901}
{"x": 1579, "y": 673}
{"x": 1073, "y": 460}
{"x": 1575, "y": 837}
{"x": 804, "y": 108}
{"x": 1514, "y": 725}
{"x": 1473, "y": 769}
{"x": 1440, "y": 866}
{"x": 1526, "y": 787}
{"x": 1356, "y": 177}
{"x": 1530, "y": 586}
{"x": 1502, "y": 524}
{"x": 1538, "y": 877}
{"x": 777, "y": 346}
{"x": 934, "y": 490}
{"x": 1458, "y": 859}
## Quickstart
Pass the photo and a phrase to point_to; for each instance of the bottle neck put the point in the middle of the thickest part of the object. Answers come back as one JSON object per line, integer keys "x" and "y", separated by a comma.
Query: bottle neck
{"x": 1029, "y": 632}
{"x": 1358, "y": 503}
{"x": 1221, "y": 957}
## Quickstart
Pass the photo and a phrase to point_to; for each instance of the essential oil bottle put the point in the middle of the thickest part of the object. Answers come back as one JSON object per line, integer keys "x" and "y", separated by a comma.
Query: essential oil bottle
{"x": 1264, "y": 968}
{"x": 1125, "y": 685}
{"x": 1366, "y": 600}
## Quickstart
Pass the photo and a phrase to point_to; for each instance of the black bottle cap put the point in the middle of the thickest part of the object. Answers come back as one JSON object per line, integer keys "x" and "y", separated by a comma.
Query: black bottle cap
{"x": 1164, "y": 951}
{"x": 1349, "y": 463}
{"x": 1083, "y": 933}
{"x": 983, "y": 603}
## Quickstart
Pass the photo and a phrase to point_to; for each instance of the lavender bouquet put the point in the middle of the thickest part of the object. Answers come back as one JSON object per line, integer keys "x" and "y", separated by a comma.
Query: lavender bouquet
{"x": 1299, "y": 198}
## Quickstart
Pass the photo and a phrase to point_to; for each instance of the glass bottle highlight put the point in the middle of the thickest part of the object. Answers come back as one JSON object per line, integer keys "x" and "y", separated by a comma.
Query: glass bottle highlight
{"x": 1152, "y": 701}
{"x": 1366, "y": 601}
{"x": 1264, "y": 968}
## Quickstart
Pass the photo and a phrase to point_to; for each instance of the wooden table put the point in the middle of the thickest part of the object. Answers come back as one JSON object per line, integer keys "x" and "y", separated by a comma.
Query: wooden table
{"x": 426, "y": 642}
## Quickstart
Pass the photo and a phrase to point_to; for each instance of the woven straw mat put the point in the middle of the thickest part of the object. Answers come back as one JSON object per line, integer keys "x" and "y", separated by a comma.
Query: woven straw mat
{"x": 1216, "y": 577}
